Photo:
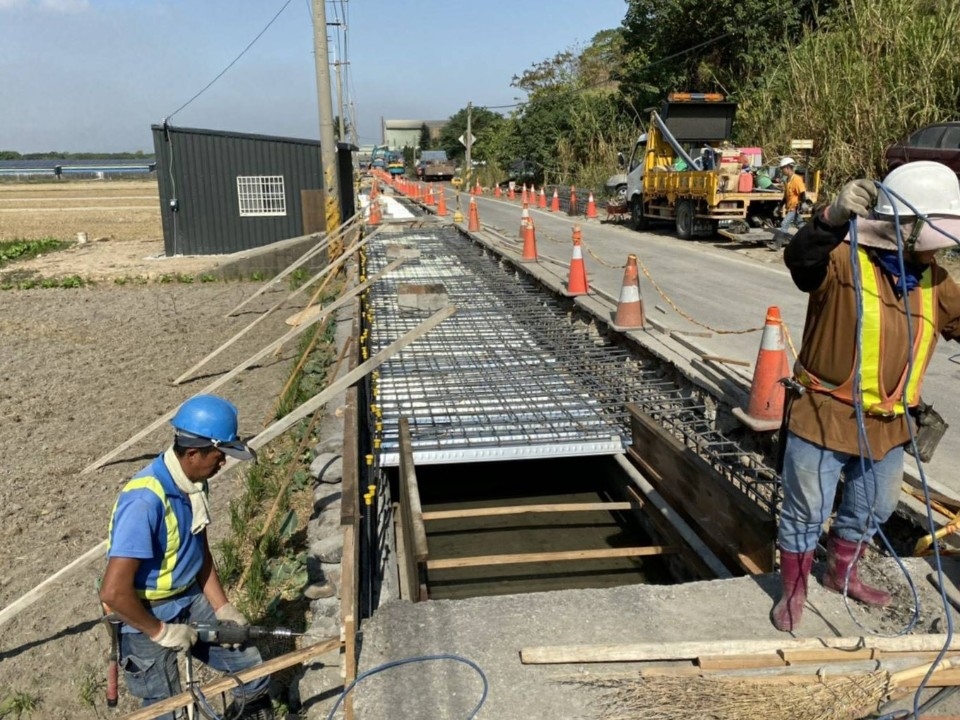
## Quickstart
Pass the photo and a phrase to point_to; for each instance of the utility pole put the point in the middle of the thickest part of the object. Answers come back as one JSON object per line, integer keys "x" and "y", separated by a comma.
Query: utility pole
{"x": 468, "y": 161}
{"x": 328, "y": 146}
{"x": 340, "y": 109}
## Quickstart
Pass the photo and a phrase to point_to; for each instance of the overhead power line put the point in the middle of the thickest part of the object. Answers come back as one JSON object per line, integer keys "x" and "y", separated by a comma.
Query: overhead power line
{"x": 233, "y": 62}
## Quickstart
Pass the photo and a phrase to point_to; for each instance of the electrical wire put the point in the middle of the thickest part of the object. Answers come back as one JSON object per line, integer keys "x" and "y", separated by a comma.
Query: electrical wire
{"x": 865, "y": 446}
{"x": 416, "y": 659}
{"x": 233, "y": 62}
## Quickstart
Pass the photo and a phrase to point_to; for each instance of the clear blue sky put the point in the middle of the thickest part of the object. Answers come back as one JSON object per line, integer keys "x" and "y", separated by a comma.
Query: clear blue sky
{"x": 92, "y": 75}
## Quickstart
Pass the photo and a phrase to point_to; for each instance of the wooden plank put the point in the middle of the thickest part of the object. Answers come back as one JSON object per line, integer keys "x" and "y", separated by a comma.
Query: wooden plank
{"x": 823, "y": 655}
{"x": 418, "y": 539}
{"x": 656, "y": 651}
{"x": 223, "y": 380}
{"x": 559, "y": 556}
{"x": 309, "y": 254}
{"x": 735, "y": 662}
{"x": 244, "y": 676}
{"x": 349, "y": 495}
{"x": 402, "y": 558}
{"x": 731, "y": 525}
{"x": 310, "y": 319}
{"x": 523, "y": 509}
{"x": 312, "y": 212}
{"x": 349, "y": 610}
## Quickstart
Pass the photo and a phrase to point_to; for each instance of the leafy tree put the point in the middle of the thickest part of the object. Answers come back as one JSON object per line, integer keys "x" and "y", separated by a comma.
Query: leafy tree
{"x": 9, "y": 155}
{"x": 483, "y": 123}
{"x": 426, "y": 142}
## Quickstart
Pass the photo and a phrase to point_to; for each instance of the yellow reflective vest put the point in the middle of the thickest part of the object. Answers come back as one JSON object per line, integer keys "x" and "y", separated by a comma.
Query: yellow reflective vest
{"x": 874, "y": 399}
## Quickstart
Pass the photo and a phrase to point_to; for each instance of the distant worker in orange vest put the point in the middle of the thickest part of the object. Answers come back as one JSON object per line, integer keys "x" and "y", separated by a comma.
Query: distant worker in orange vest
{"x": 794, "y": 193}
{"x": 858, "y": 375}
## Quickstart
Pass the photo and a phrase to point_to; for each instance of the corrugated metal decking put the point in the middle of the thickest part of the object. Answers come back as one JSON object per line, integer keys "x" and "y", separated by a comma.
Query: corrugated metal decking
{"x": 506, "y": 377}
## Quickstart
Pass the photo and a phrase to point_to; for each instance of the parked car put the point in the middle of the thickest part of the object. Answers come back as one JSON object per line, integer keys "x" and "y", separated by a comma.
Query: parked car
{"x": 939, "y": 142}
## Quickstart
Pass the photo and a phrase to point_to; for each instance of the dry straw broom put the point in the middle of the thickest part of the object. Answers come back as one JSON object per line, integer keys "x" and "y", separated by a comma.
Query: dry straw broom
{"x": 664, "y": 697}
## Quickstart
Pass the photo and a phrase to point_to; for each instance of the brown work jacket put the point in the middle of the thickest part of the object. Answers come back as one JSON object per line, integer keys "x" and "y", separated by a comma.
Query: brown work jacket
{"x": 829, "y": 342}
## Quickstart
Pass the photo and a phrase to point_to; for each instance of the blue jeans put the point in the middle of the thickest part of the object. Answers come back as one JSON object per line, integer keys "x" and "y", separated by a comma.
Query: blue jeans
{"x": 792, "y": 217}
{"x": 810, "y": 477}
{"x": 151, "y": 671}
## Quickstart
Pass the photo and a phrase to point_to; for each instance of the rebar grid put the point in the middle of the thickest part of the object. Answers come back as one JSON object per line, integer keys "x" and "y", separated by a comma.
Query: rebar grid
{"x": 510, "y": 375}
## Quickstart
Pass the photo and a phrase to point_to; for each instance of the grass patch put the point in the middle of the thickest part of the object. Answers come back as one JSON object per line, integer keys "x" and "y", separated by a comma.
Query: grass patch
{"x": 19, "y": 704}
{"x": 91, "y": 686}
{"x": 13, "y": 250}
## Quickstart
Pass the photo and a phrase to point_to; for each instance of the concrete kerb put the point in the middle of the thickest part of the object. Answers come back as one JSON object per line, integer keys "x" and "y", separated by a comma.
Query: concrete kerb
{"x": 271, "y": 259}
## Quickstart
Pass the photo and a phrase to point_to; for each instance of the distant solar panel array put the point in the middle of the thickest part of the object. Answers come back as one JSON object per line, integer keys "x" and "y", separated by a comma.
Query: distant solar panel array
{"x": 92, "y": 167}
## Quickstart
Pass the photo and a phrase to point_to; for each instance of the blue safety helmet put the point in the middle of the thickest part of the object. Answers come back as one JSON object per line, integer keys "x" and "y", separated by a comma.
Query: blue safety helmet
{"x": 209, "y": 420}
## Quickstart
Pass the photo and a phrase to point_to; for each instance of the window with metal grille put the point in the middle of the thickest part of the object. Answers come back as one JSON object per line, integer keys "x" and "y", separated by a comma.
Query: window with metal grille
{"x": 261, "y": 195}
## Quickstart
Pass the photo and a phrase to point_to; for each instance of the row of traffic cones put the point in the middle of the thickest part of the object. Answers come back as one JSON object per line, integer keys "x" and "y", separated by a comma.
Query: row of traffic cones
{"x": 540, "y": 200}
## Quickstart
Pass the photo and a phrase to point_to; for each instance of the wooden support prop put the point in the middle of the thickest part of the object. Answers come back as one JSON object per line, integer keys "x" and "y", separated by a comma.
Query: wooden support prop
{"x": 269, "y": 434}
{"x": 726, "y": 360}
{"x": 560, "y": 556}
{"x": 316, "y": 249}
{"x": 648, "y": 652}
{"x": 738, "y": 662}
{"x": 341, "y": 300}
{"x": 244, "y": 676}
{"x": 349, "y": 611}
{"x": 411, "y": 519}
{"x": 523, "y": 509}
{"x": 104, "y": 459}
{"x": 29, "y": 598}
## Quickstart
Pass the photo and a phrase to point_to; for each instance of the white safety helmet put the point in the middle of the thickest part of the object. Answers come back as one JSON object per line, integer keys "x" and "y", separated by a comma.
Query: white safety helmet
{"x": 930, "y": 188}
{"x": 787, "y": 161}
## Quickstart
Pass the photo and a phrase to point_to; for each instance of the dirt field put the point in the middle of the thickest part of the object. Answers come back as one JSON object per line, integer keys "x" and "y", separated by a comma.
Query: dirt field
{"x": 121, "y": 219}
{"x": 81, "y": 370}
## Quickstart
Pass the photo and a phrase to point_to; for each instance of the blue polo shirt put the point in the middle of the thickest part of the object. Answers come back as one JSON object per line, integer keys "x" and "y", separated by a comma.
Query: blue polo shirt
{"x": 151, "y": 522}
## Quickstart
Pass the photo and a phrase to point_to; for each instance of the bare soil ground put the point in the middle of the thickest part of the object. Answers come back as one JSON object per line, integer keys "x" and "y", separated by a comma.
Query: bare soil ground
{"x": 82, "y": 370}
{"x": 121, "y": 219}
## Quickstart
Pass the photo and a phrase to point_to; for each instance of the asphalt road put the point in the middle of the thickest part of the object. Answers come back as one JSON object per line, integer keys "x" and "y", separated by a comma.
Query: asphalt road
{"x": 723, "y": 285}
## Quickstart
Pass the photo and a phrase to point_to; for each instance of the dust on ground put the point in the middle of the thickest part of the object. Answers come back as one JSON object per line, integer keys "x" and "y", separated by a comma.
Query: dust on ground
{"x": 81, "y": 371}
{"x": 119, "y": 218}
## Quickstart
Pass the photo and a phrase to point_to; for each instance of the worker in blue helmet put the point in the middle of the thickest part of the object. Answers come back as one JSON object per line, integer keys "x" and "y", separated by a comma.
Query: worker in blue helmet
{"x": 160, "y": 575}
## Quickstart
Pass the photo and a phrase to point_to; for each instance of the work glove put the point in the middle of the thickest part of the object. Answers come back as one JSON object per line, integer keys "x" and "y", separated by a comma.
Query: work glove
{"x": 229, "y": 615}
{"x": 857, "y": 197}
{"x": 175, "y": 636}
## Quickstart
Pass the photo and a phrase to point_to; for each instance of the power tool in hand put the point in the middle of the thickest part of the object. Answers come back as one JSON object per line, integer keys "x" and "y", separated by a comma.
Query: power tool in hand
{"x": 230, "y": 634}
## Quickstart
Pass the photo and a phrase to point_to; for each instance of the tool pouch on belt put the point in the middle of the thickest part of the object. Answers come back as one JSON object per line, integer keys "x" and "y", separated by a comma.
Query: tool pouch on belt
{"x": 929, "y": 427}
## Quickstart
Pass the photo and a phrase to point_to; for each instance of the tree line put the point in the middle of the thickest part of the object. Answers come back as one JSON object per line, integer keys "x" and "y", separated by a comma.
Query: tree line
{"x": 851, "y": 75}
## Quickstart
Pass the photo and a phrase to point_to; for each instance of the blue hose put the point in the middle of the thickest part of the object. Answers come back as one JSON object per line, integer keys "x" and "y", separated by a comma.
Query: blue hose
{"x": 407, "y": 661}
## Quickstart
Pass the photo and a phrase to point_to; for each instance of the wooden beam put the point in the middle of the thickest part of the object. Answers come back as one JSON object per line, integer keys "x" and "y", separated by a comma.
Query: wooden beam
{"x": 523, "y": 509}
{"x": 223, "y": 380}
{"x": 732, "y": 526}
{"x": 349, "y": 493}
{"x": 244, "y": 676}
{"x": 414, "y": 532}
{"x": 312, "y": 252}
{"x": 559, "y": 556}
{"x": 312, "y": 318}
{"x": 648, "y": 652}
{"x": 349, "y": 610}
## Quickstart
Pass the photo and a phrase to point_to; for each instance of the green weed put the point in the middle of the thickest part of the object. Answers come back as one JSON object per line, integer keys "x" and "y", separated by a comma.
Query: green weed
{"x": 257, "y": 276}
{"x": 185, "y": 279}
{"x": 18, "y": 704}
{"x": 11, "y": 250}
{"x": 91, "y": 685}
{"x": 165, "y": 279}
{"x": 208, "y": 278}
{"x": 73, "y": 281}
{"x": 297, "y": 278}
{"x": 229, "y": 564}
{"x": 120, "y": 281}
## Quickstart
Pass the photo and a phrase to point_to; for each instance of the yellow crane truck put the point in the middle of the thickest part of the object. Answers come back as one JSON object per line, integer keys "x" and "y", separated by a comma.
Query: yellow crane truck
{"x": 685, "y": 169}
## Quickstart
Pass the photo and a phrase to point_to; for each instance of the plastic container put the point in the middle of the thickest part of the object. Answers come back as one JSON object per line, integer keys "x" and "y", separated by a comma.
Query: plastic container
{"x": 745, "y": 184}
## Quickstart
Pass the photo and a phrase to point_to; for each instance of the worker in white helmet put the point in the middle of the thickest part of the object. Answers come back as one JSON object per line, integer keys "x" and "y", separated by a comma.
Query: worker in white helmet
{"x": 794, "y": 190}
{"x": 858, "y": 376}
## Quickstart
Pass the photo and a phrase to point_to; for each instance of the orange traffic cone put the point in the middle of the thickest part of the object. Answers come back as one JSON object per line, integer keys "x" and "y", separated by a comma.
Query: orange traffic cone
{"x": 478, "y": 189}
{"x": 374, "y": 189}
{"x": 523, "y": 197}
{"x": 511, "y": 194}
{"x": 430, "y": 199}
{"x": 442, "y": 204}
{"x": 496, "y": 191}
{"x": 529, "y": 242}
{"x": 577, "y": 281}
{"x": 630, "y": 307}
{"x": 555, "y": 203}
{"x": 591, "y": 207}
{"x": 375, "y": 217}
{"x": 765, "y": 407}
{"x": 524, "y": 216}
{"x": 473, "y": 223}
{"x": 572, "y": 207}
{"x": 543, "y": 199}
